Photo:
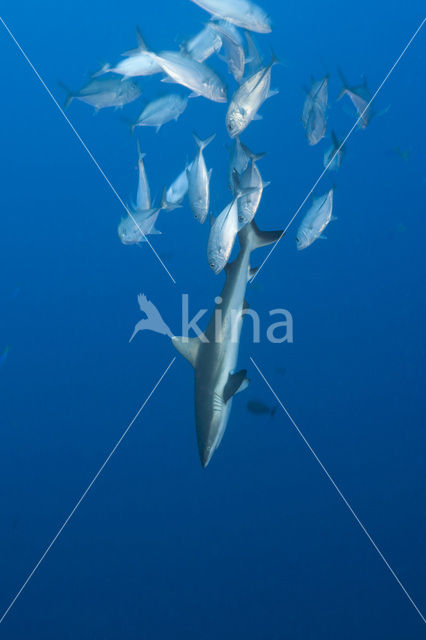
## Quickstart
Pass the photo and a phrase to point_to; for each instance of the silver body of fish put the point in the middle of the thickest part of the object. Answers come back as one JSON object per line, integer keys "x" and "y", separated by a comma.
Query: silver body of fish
{"x": 248, "y": 99}
{"x": 162, "y": 110}
{"x": 177, "y": 191}
{"x": 360, "y": 97}
{"x": 204, "y": 44}
{"x": 315, "y": 220}
{"x": 314, "y": 114}
{"x": 239, "y": 157}
{"x": 138, "y": 64}
{"x": 143, "y": 195}
{"x": 133, "y": 230}
{"x": 334, "y": 155}
{"x": 106, "y": 92}
{"x": 214, "y": 355}
{"x": 197, "y": 76}
{"x": 199, "y": 181}
{"x": 254, "y": 59}
{"x": 242, "y": 13}
{"x": 248, "y": 204}
{"x": 234, "y": 48}
{"x": 222, "y": 236}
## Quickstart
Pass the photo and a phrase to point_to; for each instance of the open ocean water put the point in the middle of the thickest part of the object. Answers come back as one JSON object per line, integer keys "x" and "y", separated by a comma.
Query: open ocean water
{"x": 258, "y": 546}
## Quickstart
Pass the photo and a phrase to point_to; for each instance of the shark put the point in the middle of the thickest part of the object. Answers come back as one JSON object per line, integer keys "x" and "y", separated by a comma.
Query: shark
{"x": 214, "y": 353}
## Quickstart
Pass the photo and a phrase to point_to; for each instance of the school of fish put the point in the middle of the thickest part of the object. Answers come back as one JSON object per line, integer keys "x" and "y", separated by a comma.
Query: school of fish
{"x": 191, "y": 69}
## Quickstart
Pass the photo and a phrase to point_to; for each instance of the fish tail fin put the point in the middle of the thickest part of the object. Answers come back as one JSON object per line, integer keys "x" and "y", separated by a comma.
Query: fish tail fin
{"x": 130, "y": 124}
{"x": 202, "y": 144}
{"x": 104, "y": 69}
{"x": 252, "y": 236}
{"x": 257, "y": 156}
{"x": 344, "y": 83}
{"x": 335, "y": 140}
{"x": 141, "y": 45}
{"x": 166, "y": 205}
{"x": 253, "y": 156}
{"x": 141, "y": 155}
{"x": 70, "y": 94}
{"x": 274, "y": 58}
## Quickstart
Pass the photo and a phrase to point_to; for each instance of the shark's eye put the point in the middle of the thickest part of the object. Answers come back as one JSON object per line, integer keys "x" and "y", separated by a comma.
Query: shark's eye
{"x": 212, "y": 265}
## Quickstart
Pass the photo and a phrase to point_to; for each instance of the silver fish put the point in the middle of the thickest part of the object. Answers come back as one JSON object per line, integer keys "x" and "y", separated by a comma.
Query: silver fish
{"x": 223, "y": 232}
{"x": 162, "y": 110}
{"x": 105, "y": 92}
{"x": 251, "y": 182}
{"x": 138, "y": 62}
{"x": 254, "y": 59}
{"x": 248, "y": 99}
{"x": 360, "y": 97}
{"x": 242, "y": 13}
{"x": 315, "y": 220}
{"x": 314, "y": 111}
{"x": 334, "y": 155}
{"x": 234, "y": 48}
{"x": 199, "y": 181}
{"x": 204, "y": 44}
{"x": 239, "y": 157}
{"x": 143, "y": 196}
{"x": 135, "y": 229}
{"x": 194, "y": 75}
{"x": 177, "y": 191}
{"x": 214, "y": 354}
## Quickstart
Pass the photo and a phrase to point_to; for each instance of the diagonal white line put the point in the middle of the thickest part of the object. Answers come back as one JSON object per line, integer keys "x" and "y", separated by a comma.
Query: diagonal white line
{"x": 348, "y": 135}
{"x": 85, "y": 147}
{"x": 339, "y": 491}
{"x": 86, "y": 491}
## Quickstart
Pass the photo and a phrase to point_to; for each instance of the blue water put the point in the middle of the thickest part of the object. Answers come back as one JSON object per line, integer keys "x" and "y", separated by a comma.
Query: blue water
{"x": 259, "y": 545}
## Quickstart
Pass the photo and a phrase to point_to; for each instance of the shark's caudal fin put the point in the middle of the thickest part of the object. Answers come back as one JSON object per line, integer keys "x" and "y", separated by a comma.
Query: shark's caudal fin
{"x": 187, "y": 347}
{"x": 254, "y": 238}
{"x": 202, "y": 144}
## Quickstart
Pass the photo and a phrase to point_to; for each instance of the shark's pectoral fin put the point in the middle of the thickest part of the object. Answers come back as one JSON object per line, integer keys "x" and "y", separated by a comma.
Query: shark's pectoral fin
{"x": 235, "y": 381}
{"x": 187, "y": 347}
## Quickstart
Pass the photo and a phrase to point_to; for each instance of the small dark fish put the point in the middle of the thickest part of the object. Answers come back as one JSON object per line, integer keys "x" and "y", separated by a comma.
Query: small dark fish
{"x": 259, "y": 408}
{"x": 402, "y": 153}
{"x": 3, "y": 356}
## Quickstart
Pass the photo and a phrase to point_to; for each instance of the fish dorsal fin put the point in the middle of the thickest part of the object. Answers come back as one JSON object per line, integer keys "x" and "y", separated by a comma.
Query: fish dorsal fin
{"x": 234, "y": 383}
{"x": 187, "y": 347}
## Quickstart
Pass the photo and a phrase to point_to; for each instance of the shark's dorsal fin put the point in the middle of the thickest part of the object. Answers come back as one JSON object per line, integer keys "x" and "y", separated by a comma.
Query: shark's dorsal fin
{"x": 187, "y": 347}
{"x": 235, "y": 381}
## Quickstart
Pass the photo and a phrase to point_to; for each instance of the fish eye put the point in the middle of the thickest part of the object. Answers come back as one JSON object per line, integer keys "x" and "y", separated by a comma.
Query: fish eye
{"x": 212, "y": 265}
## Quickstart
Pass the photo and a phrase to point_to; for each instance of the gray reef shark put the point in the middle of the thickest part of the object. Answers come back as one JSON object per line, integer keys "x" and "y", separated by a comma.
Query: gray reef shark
{"x": 214, "y": 353}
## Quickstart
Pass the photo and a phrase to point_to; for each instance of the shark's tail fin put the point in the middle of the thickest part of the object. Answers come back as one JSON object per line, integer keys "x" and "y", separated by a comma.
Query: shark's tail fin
{"x": 202, "y": 144}
{"x": 252, "y": 236}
